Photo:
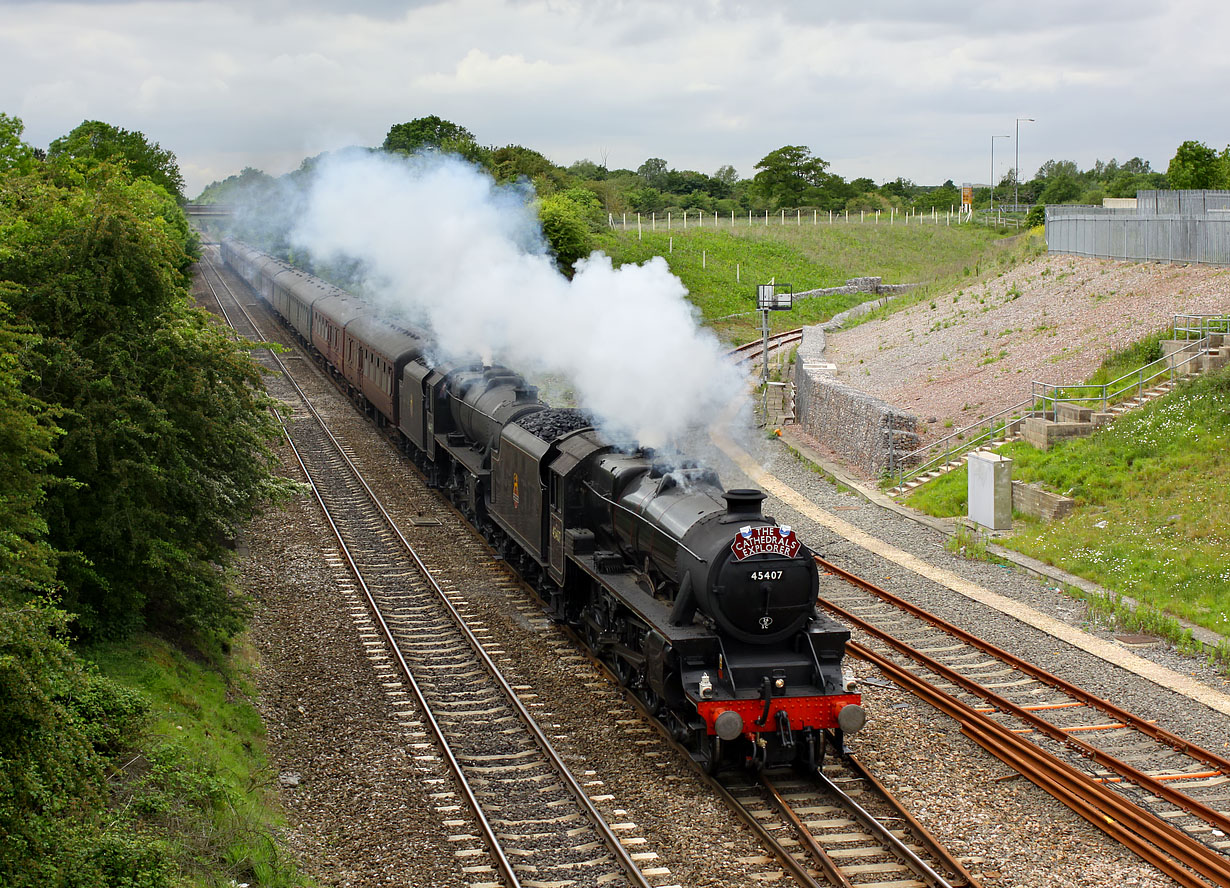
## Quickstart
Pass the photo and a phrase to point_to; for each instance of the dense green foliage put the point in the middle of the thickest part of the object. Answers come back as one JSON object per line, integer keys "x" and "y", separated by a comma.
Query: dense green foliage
{"x": 1195, "y": 165}
{"x": 97, "y": 142}
{"x": 569, "y": 220}
{"x": 162, "y": 453}
{"x": 134, "y": 441}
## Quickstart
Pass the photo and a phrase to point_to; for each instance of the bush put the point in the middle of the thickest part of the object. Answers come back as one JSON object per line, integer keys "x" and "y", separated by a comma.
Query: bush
{"x": 57, "y": 721}
{"x": 566, "y": 224}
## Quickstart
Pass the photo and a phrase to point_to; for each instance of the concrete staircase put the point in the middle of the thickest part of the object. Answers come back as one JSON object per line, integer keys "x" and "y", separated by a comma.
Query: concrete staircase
{"x": 1070, "y": 420}
{"x": 955, "y": 463}
{"x": 1180, "y": 359}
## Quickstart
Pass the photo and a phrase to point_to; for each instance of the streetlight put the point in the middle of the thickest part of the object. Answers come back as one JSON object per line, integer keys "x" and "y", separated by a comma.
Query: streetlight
{"x": 1016, "y": 173}
{"x": 993, "y": 138}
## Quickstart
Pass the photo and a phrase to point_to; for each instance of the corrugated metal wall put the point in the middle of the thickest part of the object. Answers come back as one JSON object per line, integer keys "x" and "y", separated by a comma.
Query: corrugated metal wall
{"x": 1166, "y": 226}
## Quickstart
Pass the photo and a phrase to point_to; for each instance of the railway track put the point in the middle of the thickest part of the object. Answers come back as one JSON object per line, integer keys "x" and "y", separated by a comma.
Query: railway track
{"x": 755, "y": 349}
{"x": 518, "y": 813}
{"x": 412, "y": 632}
{"x": 1161, "y": 796}
{"x": 843, "y": 826}
{"x": 839, "y": 827}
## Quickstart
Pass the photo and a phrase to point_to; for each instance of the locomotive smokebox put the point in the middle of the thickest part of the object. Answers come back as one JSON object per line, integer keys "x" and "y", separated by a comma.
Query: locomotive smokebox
{"x": 742, "y": 503}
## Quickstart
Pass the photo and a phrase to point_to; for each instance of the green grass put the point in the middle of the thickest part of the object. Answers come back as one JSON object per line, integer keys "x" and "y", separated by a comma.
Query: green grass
{"x": 807, "y": 257}
{"x": 198, "y": 777}
{"x": 1152, "y": 493}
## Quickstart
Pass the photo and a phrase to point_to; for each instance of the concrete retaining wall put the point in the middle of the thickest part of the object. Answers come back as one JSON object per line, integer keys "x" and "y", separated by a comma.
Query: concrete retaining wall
{"x": 866, "y": 432}
{"x": 1029, "y": 499}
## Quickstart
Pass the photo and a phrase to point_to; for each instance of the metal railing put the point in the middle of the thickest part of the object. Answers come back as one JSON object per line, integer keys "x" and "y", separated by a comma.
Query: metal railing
{"x": 1198, "y": 329}
{"x": 1200, "y": 326}
{"x": 1047, "y": 396}
{"x": 987, "y": 430}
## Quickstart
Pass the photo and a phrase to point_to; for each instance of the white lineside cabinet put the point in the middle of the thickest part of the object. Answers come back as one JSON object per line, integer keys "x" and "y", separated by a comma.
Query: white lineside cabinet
{"x": 990, "y": 490}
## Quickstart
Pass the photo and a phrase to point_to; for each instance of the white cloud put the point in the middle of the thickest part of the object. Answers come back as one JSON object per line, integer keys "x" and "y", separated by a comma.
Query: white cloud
{"x": 882, "y": 88}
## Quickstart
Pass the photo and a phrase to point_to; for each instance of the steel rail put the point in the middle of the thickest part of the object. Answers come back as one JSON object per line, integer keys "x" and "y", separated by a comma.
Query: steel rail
{"x": 827, "y": 865}
{"x": 777, "y": 340}
{"x": 1157, "y": 843}
{"x": 1162, "y": 790}
{"x": 620, "y": 853}
{"x": 873, "y": 826}
{"x": 946, "y": 857}
{"x": 489, "y": 835}
{"x": 942, "y": 854}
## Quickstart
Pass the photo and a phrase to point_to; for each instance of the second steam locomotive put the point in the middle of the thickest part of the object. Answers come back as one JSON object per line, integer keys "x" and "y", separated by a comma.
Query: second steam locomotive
{"x": 702, "y": 605}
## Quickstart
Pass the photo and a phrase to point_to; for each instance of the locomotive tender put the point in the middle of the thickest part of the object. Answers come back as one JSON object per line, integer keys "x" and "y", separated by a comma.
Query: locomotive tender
{"x": 702, "y": 605}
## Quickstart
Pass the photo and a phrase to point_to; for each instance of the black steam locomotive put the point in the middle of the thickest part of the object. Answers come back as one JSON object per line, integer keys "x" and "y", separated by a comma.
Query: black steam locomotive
{"x": 702, "y": 605}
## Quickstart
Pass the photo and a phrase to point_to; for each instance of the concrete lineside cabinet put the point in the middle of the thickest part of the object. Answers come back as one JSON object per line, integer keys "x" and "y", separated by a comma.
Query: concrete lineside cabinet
{"x": 990, "y": 490}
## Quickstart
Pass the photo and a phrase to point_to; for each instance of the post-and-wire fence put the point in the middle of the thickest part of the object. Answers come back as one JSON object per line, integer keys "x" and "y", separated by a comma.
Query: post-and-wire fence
{"x": 692, "y": 219}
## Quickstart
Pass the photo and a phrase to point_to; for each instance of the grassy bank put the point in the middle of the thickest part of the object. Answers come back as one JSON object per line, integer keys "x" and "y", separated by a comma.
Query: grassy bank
{"x": 1152, "y": 492}
{"x": 721, "y": 267}
{"x": 196, "y": 781}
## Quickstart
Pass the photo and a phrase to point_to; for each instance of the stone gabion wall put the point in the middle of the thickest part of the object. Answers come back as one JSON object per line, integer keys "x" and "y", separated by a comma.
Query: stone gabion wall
{"x": 858, "y": 285}
{"x": 866, "y": 432}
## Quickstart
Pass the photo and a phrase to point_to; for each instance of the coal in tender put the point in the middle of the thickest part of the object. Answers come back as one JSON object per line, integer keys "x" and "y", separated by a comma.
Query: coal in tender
{"x": 553, "y": 422}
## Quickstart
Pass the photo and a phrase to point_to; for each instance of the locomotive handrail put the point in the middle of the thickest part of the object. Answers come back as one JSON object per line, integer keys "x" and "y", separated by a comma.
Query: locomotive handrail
{"x": 602, "y": 496}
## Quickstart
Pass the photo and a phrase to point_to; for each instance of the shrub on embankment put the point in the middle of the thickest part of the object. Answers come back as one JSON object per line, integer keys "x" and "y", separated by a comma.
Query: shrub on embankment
{"x": 134, "y": 442}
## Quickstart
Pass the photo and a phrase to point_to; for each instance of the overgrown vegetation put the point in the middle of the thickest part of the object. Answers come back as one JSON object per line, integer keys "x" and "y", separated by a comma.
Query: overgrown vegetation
{"x": 1150, "y": 490}
{"x": 135, "y": 441}
{"x": 722, "y": 266}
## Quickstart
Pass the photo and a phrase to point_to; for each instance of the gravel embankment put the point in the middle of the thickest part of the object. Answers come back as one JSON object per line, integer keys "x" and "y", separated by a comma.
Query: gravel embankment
{"x": 976, "y": 351}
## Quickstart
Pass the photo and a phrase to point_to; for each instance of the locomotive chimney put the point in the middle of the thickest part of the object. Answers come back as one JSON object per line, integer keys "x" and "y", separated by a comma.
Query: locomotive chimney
{"x": 744, "y": 502}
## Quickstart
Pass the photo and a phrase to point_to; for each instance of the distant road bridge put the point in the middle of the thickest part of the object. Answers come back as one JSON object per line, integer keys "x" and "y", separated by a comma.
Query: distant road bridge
{"x": 208, "y": 209}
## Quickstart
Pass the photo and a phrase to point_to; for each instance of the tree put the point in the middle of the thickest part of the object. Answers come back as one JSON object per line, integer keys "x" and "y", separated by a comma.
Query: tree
{"x": 789, "y": 174}
{"x": 653, "y": 171}
{"x": 426, "y": 133}
{"x": 901, "y": 187}
{"x": 863, "y": 185}
{"x": 241, "y": 187}
{"x": 942, "y": 198}
{"x": 1053, "y": 168}
{"x": 514, "y": 162}
{"x": 165, "y": 426}
{"x": 1060, "y": 189}
{"x": 587, "y": 169}
{"x": 567, "y": 222}
{"x": 94, "y": 142}
{"x": 727, "y": 175}
{"x": 644, "y": 199}
{"x": 27, "y": 436}
{"x": 14, "y": 153}
{"x": 1194, "y": 165}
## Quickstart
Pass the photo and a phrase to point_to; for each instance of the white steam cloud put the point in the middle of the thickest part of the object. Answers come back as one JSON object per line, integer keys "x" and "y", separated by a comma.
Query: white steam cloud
{"x": 465, "y": 257}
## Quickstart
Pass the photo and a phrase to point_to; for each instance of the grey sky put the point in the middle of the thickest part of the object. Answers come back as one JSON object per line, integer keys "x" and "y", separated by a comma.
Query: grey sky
{"x": 880, "y": 88}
